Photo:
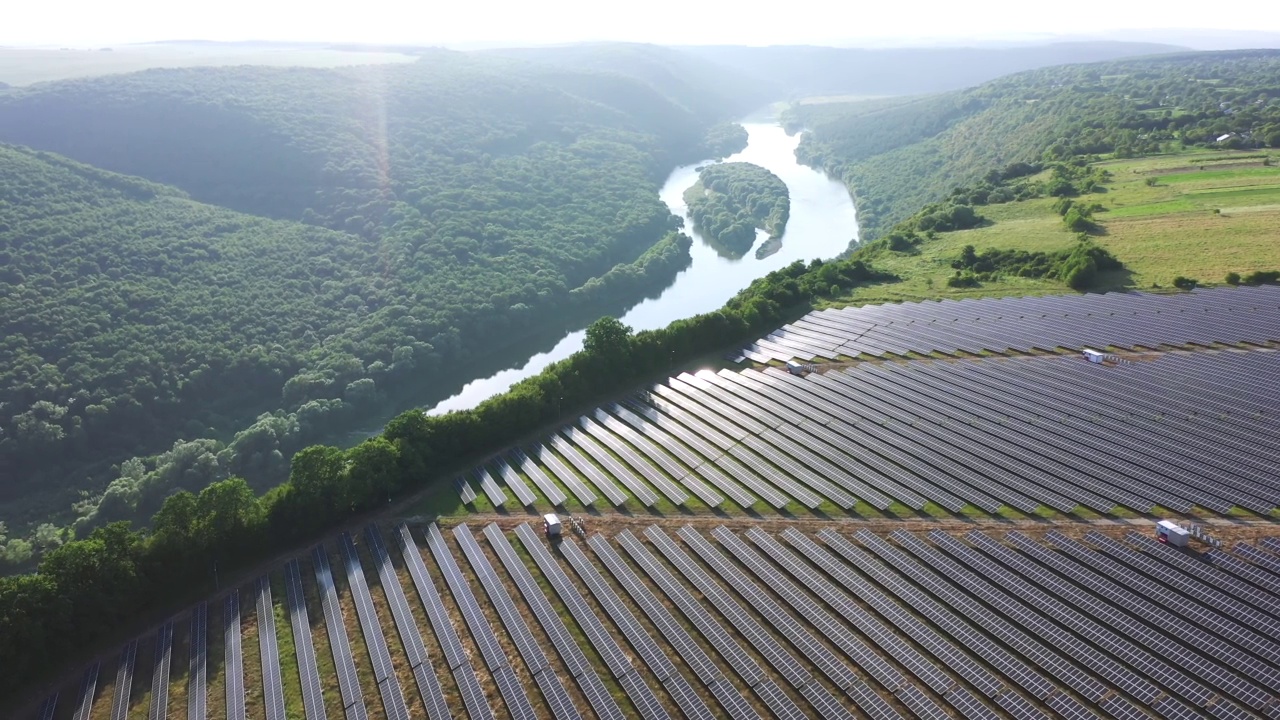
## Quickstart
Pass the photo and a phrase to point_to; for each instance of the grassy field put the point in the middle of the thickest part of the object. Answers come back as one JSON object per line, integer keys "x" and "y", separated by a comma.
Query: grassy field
{"x": 1206, "y": 215}
{"x": 1030, "y": 225}
{"x": 24, "y": 66}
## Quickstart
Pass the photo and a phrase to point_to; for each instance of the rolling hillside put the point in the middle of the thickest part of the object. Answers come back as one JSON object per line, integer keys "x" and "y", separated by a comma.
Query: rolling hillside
{"x": 287, "y": 250}
{"x": 898, "y": 156}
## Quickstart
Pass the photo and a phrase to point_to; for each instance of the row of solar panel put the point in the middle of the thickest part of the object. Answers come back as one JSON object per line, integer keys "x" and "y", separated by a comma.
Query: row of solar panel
{"x": 1181, "y": 432}
{"x": 862, "y": 626}
{"x": 1127, "y": 320}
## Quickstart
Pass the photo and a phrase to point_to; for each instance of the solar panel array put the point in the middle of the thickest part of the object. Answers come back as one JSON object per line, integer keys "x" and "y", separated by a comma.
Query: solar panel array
{"x": 1122, "y": 320}
{"x": 384, "y": 674}
{"x": 790, "y": 623}
{"x": 710, "y": 623}
{"x": 1187, "y": 432}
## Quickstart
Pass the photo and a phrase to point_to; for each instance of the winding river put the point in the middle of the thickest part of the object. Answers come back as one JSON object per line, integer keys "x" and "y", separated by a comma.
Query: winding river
{"x": 822, "y": 224}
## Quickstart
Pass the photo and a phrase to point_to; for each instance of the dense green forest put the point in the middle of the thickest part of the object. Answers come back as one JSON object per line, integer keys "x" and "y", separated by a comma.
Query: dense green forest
{"x": 730, "y": 200}
{"x": 897, "y": 156}
{"x": 157, "y": 336}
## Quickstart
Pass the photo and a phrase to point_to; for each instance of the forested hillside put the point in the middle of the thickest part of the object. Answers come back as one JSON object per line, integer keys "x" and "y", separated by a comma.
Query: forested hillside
{"x": 897, "y": 156}
{"x": 422, "y": 216}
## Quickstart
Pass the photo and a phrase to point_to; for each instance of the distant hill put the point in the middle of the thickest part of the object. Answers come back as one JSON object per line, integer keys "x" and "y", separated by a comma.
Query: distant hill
{"x": 700, "y": 84}
{"x": 799, "y": 71}
{"x": 25, "y": 66}
{"x": 282, "y": 141}
{"x": 897, "y": 155}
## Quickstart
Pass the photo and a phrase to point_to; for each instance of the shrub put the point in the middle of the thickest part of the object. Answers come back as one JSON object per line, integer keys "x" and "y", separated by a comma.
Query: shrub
{"x": 1261, "y": 276}
{"x": 1185, "y": 283}
{"x": 1233, "y": 278}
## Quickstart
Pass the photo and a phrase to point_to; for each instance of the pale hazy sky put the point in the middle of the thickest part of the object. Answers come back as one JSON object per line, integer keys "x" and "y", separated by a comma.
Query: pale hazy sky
{"x": 84, "y": 23}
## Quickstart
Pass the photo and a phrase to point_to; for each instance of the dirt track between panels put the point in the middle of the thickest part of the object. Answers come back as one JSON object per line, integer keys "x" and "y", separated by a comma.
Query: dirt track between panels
{"x": 1228, "y": 531}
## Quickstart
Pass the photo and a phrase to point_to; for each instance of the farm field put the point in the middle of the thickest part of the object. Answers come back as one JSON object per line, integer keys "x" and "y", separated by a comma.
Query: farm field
{"x": 796, "y": 620}
{"x": 1206, "y": 216}
{"x": 1197, "y": 223}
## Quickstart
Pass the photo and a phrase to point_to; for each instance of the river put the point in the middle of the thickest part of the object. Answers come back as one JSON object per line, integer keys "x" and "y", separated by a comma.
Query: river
{"x": 822, "y": 223}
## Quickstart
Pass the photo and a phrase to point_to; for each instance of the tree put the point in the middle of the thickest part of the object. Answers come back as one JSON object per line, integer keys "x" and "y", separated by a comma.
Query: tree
{"x": 374, "y": 472}
{"x": 317, "y": 477}
{"x": 608, "y": 339}
{"x": 228, "y": 515}
{"x": 173, "y": 523}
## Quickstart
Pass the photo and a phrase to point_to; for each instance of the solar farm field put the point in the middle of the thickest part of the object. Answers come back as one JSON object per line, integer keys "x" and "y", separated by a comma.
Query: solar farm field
{"x": 1029, "y": 324}
{"x": 803, "y": 620}
{"x": 946, "y": 513}
{"x": 1177, "y": 431}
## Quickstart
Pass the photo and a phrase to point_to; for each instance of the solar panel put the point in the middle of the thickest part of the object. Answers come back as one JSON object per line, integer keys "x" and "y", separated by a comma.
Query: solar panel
{"x": 539, "y": 478}
{"x": 339, "y": 644}
{"x": 197, "y": 687}
{"x": 516, "y": 484}
{"x": 490, "y": 487}
{"x": 614, "y": 658}
{"x": 1199, "y": 613}
{"x": 1117, "y": 597}
{"x": 159, "y": 708}
{"x": 530, "y": 651}
{"x": 124, "y": 679}
{"x": 575, "y": 661}
{"x": 88, "y": 686}
{"x": 233, "y": 662}
{"x": 308, "y": 673}
{"x": 268, "y": 652}
{"x": 1110, "y": 628}
{"x": 671, "y": 631}
{"x": 1028, "y": 646}
{"x": 459, "y": 663}
{"x": 407, "y": 627}
{"x": 1005, "y": 663}
{"x": 495, "y": 658}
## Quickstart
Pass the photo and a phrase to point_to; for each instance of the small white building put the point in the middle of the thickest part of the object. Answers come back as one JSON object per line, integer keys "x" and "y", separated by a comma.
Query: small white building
{"x": 795, "y": 368}
{"x": 1094, "y": 356}
{"x": 551, "y": 525}
{"x": 1167, "y": 531}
